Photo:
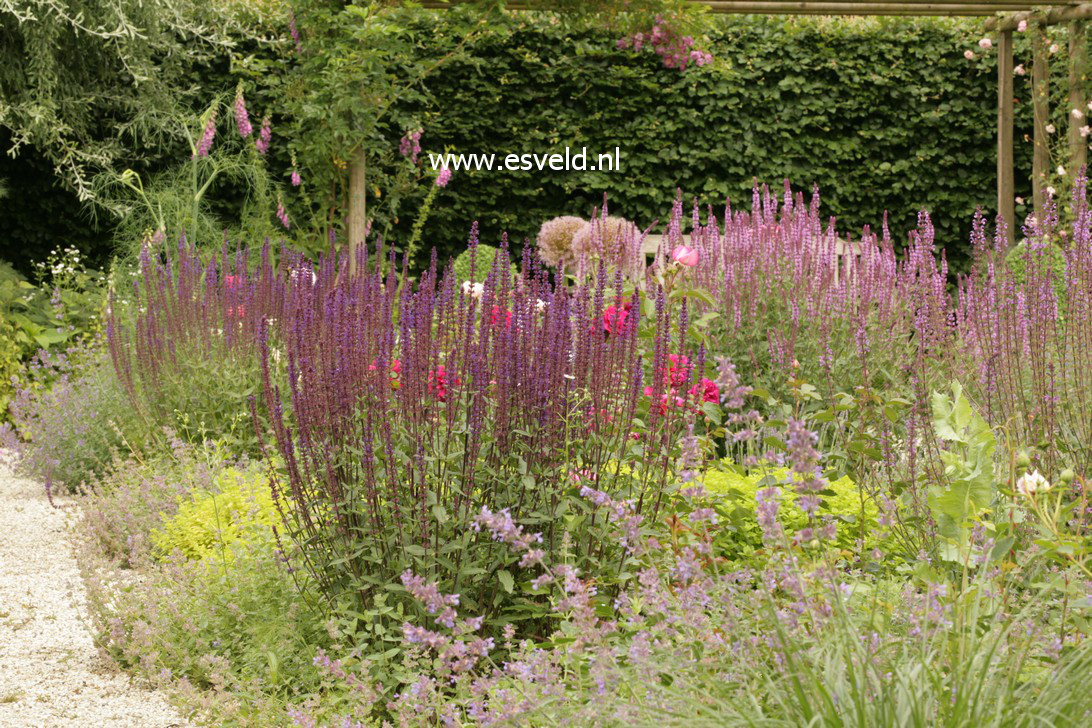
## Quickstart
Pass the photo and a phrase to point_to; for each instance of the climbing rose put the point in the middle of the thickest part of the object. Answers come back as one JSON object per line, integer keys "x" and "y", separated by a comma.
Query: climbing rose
{"x": 685, "y": 256}
{"x": 1019, "y": 70}
{"x": 968, "y": 54}
{"x": 1021, "y": 26}
{"x": 985, "y": 44}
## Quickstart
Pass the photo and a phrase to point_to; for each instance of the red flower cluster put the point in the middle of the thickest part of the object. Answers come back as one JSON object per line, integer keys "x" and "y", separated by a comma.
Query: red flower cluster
{"x": 437, "y": 383}
{"x": 675, "y": 378}
{"x": 396, "y": 371}
{"x": 614, "y": 317}
{"x": 494, "y": 320}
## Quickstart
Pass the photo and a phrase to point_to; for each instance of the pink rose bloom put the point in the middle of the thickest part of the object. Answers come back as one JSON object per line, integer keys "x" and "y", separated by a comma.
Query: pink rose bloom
{"x": 707, "y": 389}
{"x": 685, "y": 256}
{"x": 985, "y": 44}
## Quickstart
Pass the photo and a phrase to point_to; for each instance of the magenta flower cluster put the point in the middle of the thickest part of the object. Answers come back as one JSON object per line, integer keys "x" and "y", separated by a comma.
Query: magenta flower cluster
{"x": 242, "y": 118}
{"x": 208, "y": 134}
{"x": 265, "y": 135}
{"x": 410, "y": 145}
{"x": 677, "y": 51}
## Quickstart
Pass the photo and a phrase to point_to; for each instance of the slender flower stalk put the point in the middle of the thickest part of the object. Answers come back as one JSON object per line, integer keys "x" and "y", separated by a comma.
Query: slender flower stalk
{"x": 265, "y": 135}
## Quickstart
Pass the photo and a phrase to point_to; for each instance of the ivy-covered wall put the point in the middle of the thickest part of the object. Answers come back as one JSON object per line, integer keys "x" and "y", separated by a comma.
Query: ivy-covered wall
{"x": 882, "y": 115}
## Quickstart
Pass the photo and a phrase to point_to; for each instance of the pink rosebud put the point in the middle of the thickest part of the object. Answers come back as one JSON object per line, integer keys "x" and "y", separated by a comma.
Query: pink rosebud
{"x": 685, "y": 256}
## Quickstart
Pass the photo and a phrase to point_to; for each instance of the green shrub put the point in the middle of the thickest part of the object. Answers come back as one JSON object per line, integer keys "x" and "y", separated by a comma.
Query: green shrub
{"x": 239, "y": 509}
{"x": 1016, "y": 260}
{"x": 233, "y": 636}
{"x": 199, "y": 413}
{"x": 482, "y": 263}
{"x": 735, "y": 488}
{"x": 60, "y": 312}
{"x": 72, "y": 418}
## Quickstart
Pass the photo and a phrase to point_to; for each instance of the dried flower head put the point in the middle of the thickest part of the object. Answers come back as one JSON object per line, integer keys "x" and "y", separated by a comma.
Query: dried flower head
{"x": 556, "y": 239}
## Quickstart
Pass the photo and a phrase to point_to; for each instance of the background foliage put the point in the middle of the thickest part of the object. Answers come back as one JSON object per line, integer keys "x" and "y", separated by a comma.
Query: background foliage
{"x": 883, "y": 115}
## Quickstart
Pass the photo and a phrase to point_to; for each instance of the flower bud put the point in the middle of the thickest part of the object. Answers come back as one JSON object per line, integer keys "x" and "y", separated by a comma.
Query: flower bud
{"x": 1067, "y": 476}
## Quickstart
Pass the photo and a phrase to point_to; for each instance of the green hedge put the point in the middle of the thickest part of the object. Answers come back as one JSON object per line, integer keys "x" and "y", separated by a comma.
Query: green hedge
{"x": 882, "y": 114}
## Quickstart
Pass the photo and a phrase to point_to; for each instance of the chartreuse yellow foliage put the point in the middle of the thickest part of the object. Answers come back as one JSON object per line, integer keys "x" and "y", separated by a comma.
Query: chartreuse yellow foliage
{"x": 843, "y": 500}
{"x": 241, "y": 509}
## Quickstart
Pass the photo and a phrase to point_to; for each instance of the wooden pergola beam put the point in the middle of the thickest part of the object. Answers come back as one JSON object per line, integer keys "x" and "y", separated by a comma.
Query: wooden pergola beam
{"x": 806, "y": 7}
{"x": 1040, "y": 100}
{"x": 1006, "y": 166}
{"x": 1053, "y": 16}
{"x": 1078, "y": 145}
{"x": 839, "y": 7}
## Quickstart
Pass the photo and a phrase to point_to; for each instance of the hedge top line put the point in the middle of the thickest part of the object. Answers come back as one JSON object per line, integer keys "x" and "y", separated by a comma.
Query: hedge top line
{"x": 1049, "y": 12}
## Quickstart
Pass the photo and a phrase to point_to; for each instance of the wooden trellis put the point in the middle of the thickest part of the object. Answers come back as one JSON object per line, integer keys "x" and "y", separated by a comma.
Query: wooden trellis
{"x": 1007, "y": 17}
{"x": 1037, "y": 20}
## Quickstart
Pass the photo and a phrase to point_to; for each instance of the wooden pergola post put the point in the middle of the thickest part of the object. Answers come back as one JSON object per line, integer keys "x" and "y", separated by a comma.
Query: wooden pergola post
{"x": 1006, "y": 184}
{"x": 1078, "y": 146}
{"x": 358, "y": 206}
{"x": 1040, "y": 99}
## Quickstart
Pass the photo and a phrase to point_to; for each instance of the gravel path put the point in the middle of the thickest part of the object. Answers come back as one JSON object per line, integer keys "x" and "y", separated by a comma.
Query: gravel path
{"x": 50, "y": 672}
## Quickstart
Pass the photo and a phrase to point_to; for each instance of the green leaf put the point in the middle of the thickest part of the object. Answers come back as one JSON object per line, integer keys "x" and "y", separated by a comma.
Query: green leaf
{"x": 1002, "y": 547}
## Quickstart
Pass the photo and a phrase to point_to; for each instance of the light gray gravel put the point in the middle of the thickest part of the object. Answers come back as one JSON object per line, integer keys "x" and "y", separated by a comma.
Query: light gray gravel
{"x": 50, "y": 672}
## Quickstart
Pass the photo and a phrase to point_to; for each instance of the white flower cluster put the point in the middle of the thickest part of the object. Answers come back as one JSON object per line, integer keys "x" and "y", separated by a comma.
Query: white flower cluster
{"x": 474, "y": 290}
{"x": 1031, "y": 483}
{"x": 61, "y": 262}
